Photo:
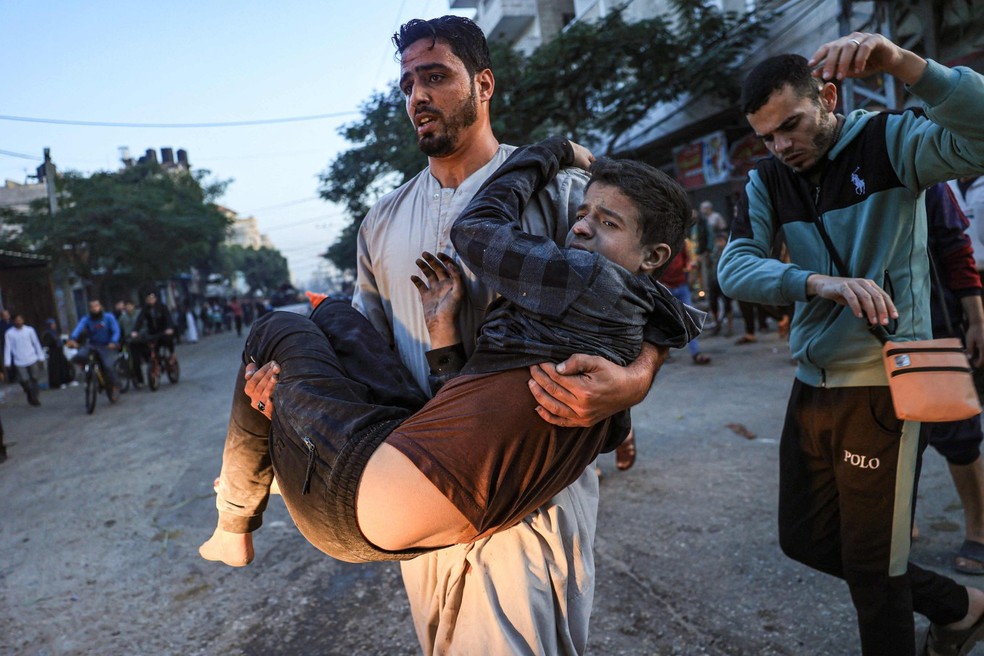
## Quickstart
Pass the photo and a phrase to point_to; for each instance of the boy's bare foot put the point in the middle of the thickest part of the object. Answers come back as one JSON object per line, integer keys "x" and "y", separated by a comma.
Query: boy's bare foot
{"x": 233, "y": 549}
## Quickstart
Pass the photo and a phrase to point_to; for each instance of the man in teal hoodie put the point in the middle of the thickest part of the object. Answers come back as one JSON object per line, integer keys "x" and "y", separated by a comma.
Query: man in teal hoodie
{"x": 846, "y": 195}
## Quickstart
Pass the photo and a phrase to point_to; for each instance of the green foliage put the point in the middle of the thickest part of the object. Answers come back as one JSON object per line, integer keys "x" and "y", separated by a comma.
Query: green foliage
{"x": 343, "y": 252}
{"x": 592, "y": 82}
{"x": 385, "y": 153}
{"x": 132, "y": 227}
{"x": 263, "y": 268}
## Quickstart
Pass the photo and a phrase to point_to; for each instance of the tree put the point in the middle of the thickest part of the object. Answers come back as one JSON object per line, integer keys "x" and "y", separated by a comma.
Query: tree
{"x": 263, "y": 268}
{"x": 592, "y": 82}
{"x": 129, "y": 228}
{"x": 383, "y": 157}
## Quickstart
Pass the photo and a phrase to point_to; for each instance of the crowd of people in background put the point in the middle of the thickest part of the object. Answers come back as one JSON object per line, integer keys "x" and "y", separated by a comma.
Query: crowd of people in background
{"x": 692, "y": 277}
{"x": 45, "y": 358}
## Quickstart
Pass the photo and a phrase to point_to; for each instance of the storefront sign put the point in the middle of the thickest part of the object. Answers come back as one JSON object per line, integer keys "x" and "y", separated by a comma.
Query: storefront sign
{"x": 745, "y": 153}
{"x": 703, "y": 162}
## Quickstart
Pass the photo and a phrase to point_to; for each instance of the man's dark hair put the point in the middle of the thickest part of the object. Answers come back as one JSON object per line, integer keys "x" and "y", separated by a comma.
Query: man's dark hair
{"x": 665, "y": 212}
{"x": 771, "y": 76}
{"x": 466, "y": 39}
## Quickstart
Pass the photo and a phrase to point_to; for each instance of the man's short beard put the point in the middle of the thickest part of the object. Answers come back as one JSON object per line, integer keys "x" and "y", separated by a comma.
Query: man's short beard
{"x": 445, "y": 143}
{"x": 825, "y": 137}
{"x": 823, "y": 141}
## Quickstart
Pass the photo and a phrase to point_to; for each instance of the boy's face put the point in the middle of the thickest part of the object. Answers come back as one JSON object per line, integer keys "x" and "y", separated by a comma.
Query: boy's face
{"x": 608, "y": 224}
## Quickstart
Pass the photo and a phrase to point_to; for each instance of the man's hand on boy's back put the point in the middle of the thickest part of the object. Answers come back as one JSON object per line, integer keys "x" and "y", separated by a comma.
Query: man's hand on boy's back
{"x": 585, "y": 389}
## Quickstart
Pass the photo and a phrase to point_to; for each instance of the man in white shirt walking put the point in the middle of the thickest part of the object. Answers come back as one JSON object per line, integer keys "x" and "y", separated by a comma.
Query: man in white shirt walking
{"x": 22, "y": 349}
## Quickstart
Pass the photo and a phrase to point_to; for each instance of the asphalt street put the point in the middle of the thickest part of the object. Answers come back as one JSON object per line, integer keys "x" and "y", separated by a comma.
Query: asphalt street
{"x": 101, "y": 517}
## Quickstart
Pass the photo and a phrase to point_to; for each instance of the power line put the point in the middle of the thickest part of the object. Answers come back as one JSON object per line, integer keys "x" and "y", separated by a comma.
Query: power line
{"x": 10, "y": 153}
{"x": 224, "y": 124}
{"x": 289, "y": 153}
{"x": 278, "y": 206}
{"x": 308, "y": 250}
{"x": 307, "y": 221}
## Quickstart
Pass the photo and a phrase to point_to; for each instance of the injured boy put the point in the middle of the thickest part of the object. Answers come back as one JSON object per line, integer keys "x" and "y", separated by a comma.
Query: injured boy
{"x": 368, "y": 468}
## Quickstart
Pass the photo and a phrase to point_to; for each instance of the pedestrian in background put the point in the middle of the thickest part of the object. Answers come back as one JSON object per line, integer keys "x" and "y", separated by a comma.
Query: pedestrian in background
{"x": 675, "y": 279}
{"x": 191, "y": 326}
{"x": 249, "y": 309}
{"x": 719, "y": 305}
{"x": 5, "y": 324}
{"x": 22, "y": 350}
{"x": 715, "y": 222}
{"x": 237, "y": 315}
{"x": 60, "y": 372}
{"x": 957, "y": 288}
{"x": 969, "y": 193}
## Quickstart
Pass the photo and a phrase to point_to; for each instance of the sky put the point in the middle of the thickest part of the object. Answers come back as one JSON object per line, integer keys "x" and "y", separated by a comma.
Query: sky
{"x": 188, "y": 61}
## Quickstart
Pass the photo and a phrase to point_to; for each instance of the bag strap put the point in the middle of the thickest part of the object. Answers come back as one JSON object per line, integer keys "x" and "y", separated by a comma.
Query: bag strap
{"x": 879, "y": 331}
{"x": 937, "y": 284}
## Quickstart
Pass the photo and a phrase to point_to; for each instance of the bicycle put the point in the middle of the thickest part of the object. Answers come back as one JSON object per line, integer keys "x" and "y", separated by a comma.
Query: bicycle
{"x": 169, "y": 365}
{"x": 125, "y": 373}
{"x": 95, "y": 381}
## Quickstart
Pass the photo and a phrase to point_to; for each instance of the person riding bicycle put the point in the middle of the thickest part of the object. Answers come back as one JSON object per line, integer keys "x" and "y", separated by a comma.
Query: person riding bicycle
{"x": 103, "y": 332}
{"x": 153, "y": 326}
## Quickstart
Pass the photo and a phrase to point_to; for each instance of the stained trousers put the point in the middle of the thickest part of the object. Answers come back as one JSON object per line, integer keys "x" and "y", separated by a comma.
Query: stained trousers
{"x": 318, "y": 455}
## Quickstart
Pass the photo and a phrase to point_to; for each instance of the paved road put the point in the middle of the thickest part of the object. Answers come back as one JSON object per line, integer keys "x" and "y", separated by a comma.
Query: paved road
{"x": 100, "y": 518}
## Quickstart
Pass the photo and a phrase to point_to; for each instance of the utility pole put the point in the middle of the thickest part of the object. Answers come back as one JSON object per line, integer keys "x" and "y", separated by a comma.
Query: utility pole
{"x": 878, "y": 91}
{"x": 67, "y": 314}
{"x": 49, "y": 182}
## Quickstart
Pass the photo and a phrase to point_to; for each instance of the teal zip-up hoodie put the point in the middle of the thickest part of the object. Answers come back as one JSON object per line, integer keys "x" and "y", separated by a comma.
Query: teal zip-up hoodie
{"x": 869, "y": 201}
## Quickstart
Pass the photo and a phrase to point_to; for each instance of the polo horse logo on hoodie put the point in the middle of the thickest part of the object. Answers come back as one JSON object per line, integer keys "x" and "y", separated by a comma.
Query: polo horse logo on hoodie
{"x": 858, "y": 182}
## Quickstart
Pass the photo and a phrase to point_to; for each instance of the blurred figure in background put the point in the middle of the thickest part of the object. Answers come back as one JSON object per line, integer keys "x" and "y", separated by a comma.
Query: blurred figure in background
{"x": 60, "y": 372}
{"x": 22, "y": 349}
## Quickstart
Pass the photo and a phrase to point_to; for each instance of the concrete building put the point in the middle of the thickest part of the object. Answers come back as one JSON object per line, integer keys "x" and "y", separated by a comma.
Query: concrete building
{"x": 244, "y": 231}
{"x": 26, "y": 284}
{"x": 523, "y": 24}
{"x": 18, "y": 197}
{"x": 168, "y": 161}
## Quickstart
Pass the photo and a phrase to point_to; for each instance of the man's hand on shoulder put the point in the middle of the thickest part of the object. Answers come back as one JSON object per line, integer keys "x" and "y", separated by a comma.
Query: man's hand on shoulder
{"x": 586, "y": 389}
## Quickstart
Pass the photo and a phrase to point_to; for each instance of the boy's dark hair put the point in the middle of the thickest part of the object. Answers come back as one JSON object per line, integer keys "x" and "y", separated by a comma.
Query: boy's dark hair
{"x": 772, "y": 75}
{"x": 665, "y": 212}
{"x": 466, "y": 39}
